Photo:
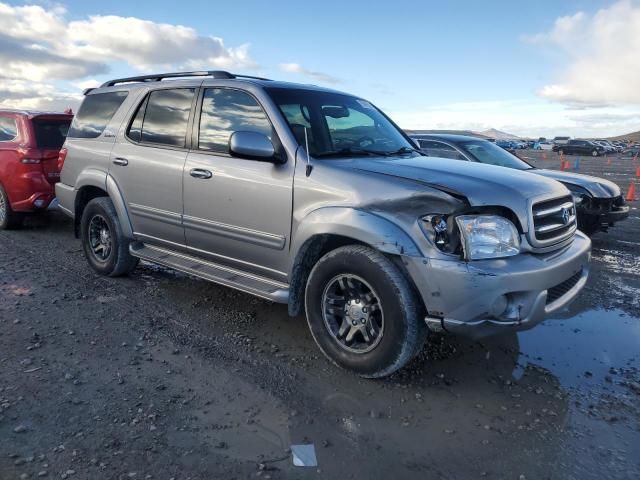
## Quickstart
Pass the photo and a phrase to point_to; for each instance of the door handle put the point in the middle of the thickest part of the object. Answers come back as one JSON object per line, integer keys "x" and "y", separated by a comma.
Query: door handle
{"x": 123, "y": 162}
{"x": 200, "y": 173}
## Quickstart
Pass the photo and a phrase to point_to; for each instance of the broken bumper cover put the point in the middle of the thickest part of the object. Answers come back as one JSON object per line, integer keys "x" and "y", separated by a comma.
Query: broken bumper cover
{"x": 488, "y": 297}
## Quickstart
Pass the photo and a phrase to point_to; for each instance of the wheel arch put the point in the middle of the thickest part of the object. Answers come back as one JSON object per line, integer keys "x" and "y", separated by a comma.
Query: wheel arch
{"x": 93, "y": 184}
{"x": 329, "y": 228}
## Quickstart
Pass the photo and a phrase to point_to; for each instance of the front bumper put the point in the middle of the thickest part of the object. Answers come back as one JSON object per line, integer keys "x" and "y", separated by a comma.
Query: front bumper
{"x": 613, "y": 216}
{"x": 487, "y": 297}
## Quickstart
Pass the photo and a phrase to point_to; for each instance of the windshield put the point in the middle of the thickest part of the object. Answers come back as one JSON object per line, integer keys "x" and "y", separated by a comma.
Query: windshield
{"x": 487, "y": 152}
{"x": 338, "y": 125}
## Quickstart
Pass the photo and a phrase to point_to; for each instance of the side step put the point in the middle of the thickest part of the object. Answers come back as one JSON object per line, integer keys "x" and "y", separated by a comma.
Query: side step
{"x": 247, "y": 282}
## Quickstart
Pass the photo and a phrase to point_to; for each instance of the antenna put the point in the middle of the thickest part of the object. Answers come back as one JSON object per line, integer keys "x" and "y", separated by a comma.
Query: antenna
{"x": 306, "y": 147}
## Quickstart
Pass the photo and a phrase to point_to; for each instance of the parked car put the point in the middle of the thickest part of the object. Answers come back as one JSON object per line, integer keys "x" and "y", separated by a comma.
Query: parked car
{"x": 508, "y": 145}
{"x": 314, "y": 198}
{"x": 580, "y": 147}
{"x": 607, "y": 147}
{"x": 29, "y": 147}
{"x": 561, "y": 140}
{"x": 607, "y": 144}
{"x": 542, "y": 146}
{"x": 599, "y": 203}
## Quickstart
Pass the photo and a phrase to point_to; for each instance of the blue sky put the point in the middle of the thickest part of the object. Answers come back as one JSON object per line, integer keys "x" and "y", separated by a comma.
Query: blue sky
{"x": 518, "y": 66}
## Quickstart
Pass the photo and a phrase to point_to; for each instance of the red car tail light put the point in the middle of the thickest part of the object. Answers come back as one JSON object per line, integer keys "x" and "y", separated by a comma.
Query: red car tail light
{"x": 62, "y": 156}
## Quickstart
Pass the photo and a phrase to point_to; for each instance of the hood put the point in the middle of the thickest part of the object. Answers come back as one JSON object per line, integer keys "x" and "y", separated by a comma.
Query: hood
{"x": 480, "y": 184}
{"x": 598, "y": 187}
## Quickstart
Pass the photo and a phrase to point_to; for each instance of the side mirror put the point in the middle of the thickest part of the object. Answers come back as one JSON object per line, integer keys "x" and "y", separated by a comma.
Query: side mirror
{"x": 252, "y": 145}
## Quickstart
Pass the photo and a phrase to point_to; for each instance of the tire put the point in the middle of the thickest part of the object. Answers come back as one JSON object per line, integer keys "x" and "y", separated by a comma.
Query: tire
{"x": 595, "y": 153}
{"x": 560, "y": 151}
{"x": 104, "y": 244}
{"x": 8, "y": 218}
{"x": 398, "y": 317}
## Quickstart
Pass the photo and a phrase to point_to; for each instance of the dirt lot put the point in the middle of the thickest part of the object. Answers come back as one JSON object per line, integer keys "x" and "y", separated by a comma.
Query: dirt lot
{"x": 163, "y": 376}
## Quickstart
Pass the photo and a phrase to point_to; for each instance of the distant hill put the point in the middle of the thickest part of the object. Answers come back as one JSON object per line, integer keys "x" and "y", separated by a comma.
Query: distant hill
{"x": 498, "y": 134}
{"x": 634, "y": 137}
{"x": 448, "y": 132}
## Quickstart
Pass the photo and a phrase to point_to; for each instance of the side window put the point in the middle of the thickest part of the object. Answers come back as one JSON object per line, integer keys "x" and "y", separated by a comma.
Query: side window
{"x": 441, "y": 150}
{"x": 166, "y": 117}
{"x": 95, "y": 113}
{"x": 135, "y": 129}
{"x": 225, "y": 111}
{"x": 8, "y": 129}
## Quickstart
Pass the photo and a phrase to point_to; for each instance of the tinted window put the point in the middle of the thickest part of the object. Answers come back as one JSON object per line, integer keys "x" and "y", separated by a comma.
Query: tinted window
{"x": 439, "y": 149}
{"x": 51, "y": 133}
{"x": 95, "y": 113}
{"x": 166, "y": 116}
{"x": 135, "y": 129}
{"x": 8, "y": 129}
{"x": 487, "y": 152}
{"x": 225, "y": 111}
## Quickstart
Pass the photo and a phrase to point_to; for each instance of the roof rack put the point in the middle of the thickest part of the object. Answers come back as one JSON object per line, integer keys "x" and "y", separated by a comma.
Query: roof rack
{"x": 161, "y": 76}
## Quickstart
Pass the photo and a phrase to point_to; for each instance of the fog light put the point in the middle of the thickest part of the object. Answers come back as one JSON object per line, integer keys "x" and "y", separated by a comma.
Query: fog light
{"x": 39, "y": 203}
{"x": 499, "y": 306}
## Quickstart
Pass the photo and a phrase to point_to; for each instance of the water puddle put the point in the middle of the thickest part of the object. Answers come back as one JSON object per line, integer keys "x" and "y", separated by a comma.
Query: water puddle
{"x": 584, "y": 350}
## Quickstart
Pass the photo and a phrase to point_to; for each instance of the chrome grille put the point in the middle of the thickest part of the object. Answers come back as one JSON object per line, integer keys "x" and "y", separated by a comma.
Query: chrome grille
{"x": 554, "y": 220}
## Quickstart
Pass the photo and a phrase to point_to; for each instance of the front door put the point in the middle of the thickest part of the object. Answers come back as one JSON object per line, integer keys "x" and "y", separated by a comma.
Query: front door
{"x": 147, "y": 164}
{"x": 236, "y": 211}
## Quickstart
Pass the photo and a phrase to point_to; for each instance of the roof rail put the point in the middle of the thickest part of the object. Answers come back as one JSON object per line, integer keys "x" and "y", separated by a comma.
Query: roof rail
{"x": 161, "y": 76}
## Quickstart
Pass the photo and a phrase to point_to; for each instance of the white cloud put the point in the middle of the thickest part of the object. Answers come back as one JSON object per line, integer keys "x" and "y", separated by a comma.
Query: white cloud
{"x": 39, "y": 44}
{"x": 299, "y": 69}
{"x": 601, "y": 52}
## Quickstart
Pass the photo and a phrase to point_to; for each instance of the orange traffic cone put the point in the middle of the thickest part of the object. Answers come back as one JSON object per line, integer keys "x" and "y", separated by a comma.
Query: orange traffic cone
{"x": 631, "y": 194}
{"x": 638, "y": 172}
{"x": 608, "y": 161}
{"x": 544, "y": 155}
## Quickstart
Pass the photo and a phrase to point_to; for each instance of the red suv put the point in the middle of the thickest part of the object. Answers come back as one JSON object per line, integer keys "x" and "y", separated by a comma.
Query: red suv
{"x": 30, "y": 143}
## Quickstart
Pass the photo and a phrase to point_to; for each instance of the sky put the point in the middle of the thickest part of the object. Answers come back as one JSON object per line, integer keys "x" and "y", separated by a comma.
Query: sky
{"x": 541, "y": 68}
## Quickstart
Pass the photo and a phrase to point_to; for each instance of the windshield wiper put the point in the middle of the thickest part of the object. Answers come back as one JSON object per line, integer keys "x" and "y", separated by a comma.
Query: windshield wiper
{"x": 402, "y": 150}
{"x": 349, "y": 151}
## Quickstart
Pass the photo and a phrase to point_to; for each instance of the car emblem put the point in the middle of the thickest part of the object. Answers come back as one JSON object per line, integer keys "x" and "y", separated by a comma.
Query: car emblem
{"x": 566, "y": 215}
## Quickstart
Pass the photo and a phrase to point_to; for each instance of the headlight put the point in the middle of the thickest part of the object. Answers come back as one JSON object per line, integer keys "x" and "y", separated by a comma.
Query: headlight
{"x": 488, "y": 236}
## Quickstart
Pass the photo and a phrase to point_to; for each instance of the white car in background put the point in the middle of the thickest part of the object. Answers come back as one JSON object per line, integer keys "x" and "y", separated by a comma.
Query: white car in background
{"x": 542, "y": 146}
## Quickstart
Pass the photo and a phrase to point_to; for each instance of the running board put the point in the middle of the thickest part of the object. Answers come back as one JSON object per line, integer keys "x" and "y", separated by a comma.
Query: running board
{"x": 229, "y": 277}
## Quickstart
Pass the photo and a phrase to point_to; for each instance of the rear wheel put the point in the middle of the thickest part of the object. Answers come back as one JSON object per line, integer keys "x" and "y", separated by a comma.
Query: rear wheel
{"x": 8, "y": 218}
{"x": 561, "y": 152}
{"x": 104, "y": 244}
{"x": 363, "y": 313}
{"x": 595, "y": 153}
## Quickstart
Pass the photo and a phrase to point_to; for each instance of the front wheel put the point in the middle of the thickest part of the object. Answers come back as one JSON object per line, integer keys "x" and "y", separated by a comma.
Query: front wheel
{"x": 104, "y": 244}
{"x": 8, "y": 218}
{"x": 363, "y": 313}
{"x": 595, "y": 153}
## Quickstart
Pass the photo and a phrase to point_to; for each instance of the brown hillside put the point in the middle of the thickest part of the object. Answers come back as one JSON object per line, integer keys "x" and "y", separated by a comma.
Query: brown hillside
{"x": 634, "y": 137}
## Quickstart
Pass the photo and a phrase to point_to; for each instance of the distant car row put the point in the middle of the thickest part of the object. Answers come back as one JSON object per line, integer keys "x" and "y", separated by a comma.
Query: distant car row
{"x": 568, "y": 146}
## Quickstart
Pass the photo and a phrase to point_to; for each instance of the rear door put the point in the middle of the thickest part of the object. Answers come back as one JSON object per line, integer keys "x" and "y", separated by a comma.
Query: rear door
{"x": 147, "y": 164}
{"x": 239, "y": 212}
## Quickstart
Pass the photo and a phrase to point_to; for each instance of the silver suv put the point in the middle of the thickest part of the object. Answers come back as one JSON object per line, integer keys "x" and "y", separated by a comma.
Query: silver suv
{"x": 315, "y": 198}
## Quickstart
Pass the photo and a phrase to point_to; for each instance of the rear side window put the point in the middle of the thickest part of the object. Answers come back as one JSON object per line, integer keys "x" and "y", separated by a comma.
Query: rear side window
{"x": 8, "y": 129}
{"x": 51, "y": 133}
{"x": 95, "y": 113}
{"x": 225, "y": 111}
{"x": 163, "y": 117}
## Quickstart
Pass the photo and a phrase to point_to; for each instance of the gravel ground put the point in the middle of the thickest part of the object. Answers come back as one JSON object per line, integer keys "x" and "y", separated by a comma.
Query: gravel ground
{"x": 161, "y": 375}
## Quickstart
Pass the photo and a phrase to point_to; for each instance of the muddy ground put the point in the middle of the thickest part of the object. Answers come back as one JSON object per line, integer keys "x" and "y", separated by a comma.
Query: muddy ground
{"x": 161, "y": 375}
